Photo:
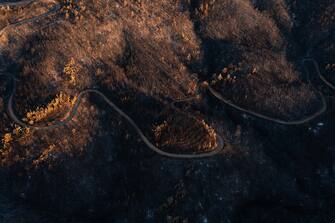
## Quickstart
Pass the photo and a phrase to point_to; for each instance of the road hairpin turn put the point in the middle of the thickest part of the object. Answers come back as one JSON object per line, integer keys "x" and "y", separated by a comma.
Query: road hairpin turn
{"x": 151, "y": 146}
{"x": 73, "y": 112}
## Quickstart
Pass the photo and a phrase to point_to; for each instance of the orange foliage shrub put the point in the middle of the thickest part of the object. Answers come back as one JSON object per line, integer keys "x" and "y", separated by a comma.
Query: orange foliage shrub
{"x": 71, "y": 70}
{"x": 61, "y": 104}
{"x": 185, "y": 134}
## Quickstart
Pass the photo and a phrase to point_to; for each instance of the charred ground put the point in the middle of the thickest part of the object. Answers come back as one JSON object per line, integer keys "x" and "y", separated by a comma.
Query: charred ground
{"x": 151, "y": 58}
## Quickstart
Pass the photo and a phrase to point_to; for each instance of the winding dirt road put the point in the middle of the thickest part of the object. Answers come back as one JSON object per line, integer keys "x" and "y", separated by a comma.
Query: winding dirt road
{"x": 267, "y": 118}
{"x": 73, "y": 112}
{"x": 24, "y": 21}
{"x": 325, "y": 81}
{"x": 220, "y": 143}
{"x": 119, "y": 111}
